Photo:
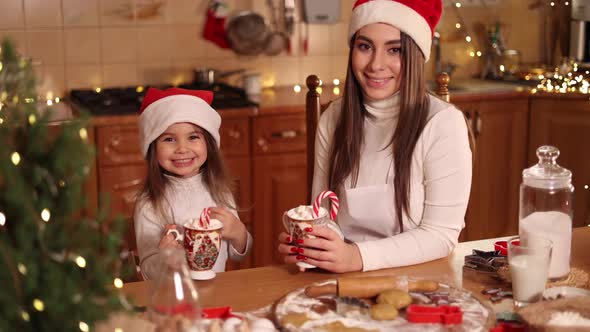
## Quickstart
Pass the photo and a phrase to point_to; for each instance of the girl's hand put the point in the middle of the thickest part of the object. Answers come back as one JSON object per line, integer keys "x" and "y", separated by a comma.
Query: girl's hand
{"x": 327, "y": 251}
{"x": 233, "y": 229}
{"x": 169, "y": 240}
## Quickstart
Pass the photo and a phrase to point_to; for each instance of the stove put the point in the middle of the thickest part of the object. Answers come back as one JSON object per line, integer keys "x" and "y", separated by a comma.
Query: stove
{"x": 127, "y": 100}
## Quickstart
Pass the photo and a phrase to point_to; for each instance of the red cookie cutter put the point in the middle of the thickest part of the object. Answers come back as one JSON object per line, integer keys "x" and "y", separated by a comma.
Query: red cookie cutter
{"x": 502, "y": 246}
{"x": 219, "y": 312}
{"x": 444, "y": 314}
{"x": 508, "y": 327}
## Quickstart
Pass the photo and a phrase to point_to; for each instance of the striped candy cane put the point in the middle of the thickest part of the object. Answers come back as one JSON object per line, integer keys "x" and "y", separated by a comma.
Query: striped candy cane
{"x": 205, "y": 219}
{"x": 334, "y": 204}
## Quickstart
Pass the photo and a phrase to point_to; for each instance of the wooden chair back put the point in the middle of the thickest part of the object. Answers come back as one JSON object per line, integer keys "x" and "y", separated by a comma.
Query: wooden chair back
{"x": 314, "y": 109}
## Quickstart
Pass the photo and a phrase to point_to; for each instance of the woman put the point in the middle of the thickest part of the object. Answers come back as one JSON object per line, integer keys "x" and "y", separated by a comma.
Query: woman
{"x": 398, "y": 157}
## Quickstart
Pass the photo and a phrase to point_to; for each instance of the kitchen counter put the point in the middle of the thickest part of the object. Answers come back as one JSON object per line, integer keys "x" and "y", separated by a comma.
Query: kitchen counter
{"x": 284, "y": 100}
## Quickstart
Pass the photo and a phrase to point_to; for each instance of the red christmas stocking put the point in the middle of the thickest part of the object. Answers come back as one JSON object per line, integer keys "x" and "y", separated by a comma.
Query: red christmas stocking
{"x": 214, "y": 29}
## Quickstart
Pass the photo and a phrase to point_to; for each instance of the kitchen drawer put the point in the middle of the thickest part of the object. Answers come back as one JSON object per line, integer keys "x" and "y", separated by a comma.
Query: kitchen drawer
{"x": 118, "y": 145}
{"x": 122, "y": 183}
{"x": 278, "y": 134}
{"x": 235, "y": 137}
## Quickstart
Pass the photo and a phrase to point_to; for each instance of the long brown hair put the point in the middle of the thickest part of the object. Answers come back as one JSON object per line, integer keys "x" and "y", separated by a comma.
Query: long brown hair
{"x": 214, "y": 175}
{"x": 414, "y": 105}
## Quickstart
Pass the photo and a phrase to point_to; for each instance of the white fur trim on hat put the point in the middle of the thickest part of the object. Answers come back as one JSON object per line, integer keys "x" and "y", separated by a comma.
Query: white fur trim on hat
{"x": 396, "y": 14}
{"x": 162, "y": 113}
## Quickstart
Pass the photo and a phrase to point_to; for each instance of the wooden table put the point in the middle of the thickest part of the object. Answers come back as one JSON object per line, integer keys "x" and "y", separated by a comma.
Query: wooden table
{"x": 251, "y": 289}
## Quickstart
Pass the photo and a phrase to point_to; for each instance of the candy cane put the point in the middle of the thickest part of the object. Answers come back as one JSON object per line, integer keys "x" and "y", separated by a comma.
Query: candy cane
{"x": 205, "y": 219}
{"x": 334, "y": 204}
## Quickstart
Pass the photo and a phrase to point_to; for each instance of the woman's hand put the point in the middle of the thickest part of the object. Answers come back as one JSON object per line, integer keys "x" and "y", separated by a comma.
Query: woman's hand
{"x": 233, "y": 229}
{"x": 327, "y": 251}
{"x": 169, "y": 240}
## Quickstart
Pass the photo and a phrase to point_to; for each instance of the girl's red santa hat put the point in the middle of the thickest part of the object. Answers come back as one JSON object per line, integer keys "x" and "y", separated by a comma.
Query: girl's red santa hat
{"x": 415, "y": 18}
{"x": 162, "y": 108}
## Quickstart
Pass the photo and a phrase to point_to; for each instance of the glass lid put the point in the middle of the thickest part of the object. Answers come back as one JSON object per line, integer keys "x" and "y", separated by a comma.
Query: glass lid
{"x": 547, "y": 173}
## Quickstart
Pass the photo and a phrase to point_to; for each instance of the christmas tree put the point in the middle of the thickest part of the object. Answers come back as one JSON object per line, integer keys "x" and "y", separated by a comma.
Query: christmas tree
{"x": 57, "y": 267}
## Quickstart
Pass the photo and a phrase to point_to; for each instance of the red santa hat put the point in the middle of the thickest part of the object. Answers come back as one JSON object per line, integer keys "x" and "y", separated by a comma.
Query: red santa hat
{"x": 162, "y": 108}
{"x": 415, "y": 18}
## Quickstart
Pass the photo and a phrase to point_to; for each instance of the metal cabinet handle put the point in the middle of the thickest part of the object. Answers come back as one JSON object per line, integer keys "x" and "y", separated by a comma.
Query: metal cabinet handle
{"x": 284, "y": 134}
{"x": 235, "y": 134}
{"x": 115, "y": 140}
{"x": 263, "y": 144}
{"x": 477, "y": 124}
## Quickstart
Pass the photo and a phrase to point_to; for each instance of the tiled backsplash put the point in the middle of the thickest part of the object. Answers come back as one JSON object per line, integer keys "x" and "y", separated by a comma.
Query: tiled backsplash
{"x": 102, "y": 43}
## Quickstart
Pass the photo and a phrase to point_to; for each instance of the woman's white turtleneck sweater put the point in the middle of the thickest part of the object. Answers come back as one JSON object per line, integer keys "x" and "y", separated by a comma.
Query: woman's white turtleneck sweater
{"x": 187, "y": 197}
{"x": 440, "y": 183}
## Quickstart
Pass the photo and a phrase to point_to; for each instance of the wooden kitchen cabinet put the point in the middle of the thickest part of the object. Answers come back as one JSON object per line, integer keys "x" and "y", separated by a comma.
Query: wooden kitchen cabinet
{"x": 500, "y": 128}
{"x": 564, "y": 122}
{"x": 279, "y": 179}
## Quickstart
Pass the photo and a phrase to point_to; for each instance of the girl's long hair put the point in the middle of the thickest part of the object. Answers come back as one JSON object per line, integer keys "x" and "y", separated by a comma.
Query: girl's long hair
{"x": 214, "y": 175}
{"x": 414, "y": 104}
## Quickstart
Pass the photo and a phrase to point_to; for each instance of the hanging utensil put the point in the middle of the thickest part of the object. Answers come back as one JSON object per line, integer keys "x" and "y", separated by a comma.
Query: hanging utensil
{"x": 247, "y": 33}
{"x": 277, "y": 40}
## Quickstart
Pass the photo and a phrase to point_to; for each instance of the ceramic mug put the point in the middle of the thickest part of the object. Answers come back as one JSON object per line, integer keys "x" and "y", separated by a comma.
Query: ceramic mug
{"x": 296, "y": 228}
{"x": 252, "y": 85}
{"x": 201, "y": 247}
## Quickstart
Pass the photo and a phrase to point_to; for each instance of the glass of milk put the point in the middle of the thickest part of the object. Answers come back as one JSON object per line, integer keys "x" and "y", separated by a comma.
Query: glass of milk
{"x": 546, "y": 208}
{"x": 529, "y": 269}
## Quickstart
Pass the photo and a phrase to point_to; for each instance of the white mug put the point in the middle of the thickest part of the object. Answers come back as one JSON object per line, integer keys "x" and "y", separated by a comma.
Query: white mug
{"x": 252, "y": 85}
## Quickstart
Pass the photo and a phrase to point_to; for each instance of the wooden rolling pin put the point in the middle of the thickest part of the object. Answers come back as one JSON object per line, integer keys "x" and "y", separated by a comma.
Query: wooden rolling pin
{"x": 367, "y": 287}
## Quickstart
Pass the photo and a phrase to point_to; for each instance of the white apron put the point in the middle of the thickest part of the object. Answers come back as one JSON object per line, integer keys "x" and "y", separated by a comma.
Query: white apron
{"x": 368, "y": 213}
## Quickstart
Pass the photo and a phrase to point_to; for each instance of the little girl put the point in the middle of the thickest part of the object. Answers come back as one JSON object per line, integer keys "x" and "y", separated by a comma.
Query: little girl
{"x": 179, "y": 138}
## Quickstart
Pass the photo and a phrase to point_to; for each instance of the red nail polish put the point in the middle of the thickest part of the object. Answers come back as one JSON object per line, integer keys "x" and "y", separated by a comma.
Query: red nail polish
{"x": 300, "y": 241}
{"x": 299, "y": 257}
{"x": 304, "y": 258}
{"x": 289, "y": 239}
{"x": 300, "y": 250}
{"x": 309, "y": 229}
{"x": 294, "y": 249}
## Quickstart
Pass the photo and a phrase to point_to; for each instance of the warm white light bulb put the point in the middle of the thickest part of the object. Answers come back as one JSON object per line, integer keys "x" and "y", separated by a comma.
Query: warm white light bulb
{"x": 336, "y": 81}
{"x": 15, "y": 158}
{"x": 2, "y": 219}
{"x": 457, "y": 4}
{"x": 458, "y": 25}
{"x": 336, "y": 91}
{"x": 45, "y": 215}
{"x": 81, "y": 262}
{"x": 32, "y": 119}
{"x": 83, "y": 327}
{"x": 118, "y": 283}
{"x": 83, "y": 133}
{"x": 38, "y": 305}
{"x": 21, "y": 268}
{"x": 297, "y": 88}
{"x": 468, "y": 39}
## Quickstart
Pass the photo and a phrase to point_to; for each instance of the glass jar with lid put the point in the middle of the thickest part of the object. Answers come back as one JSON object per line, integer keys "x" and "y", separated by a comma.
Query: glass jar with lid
{"x": 546, "y": 208}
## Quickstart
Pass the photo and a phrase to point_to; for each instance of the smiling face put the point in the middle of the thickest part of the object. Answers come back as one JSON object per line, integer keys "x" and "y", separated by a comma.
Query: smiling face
{"x": 181, "y": 149}
{"x": 376, "y": 60}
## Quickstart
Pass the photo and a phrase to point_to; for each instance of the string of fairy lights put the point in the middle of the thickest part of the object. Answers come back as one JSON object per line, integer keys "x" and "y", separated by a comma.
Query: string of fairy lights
{"x": 561, "y": 80}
